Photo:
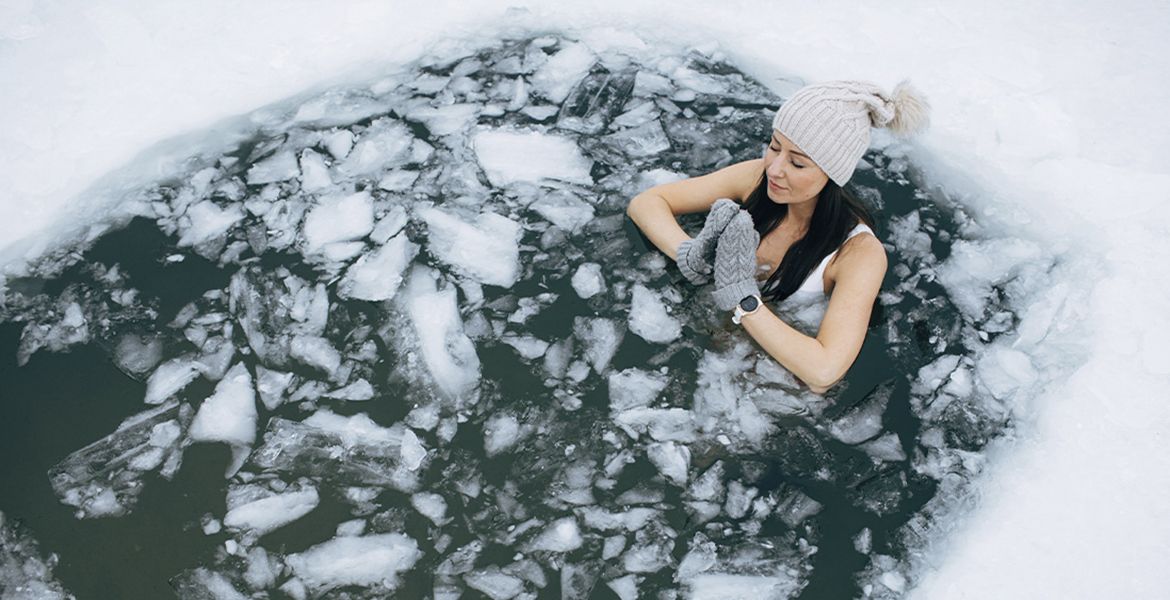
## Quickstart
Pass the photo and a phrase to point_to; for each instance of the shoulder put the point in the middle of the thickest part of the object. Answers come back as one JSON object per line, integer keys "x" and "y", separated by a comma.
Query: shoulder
{"x": 861, "y": 255}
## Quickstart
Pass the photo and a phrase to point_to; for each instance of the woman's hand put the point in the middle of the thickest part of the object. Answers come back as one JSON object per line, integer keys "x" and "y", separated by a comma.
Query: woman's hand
{"x": 735, "y": 262}
{"x": 695, "y": 256}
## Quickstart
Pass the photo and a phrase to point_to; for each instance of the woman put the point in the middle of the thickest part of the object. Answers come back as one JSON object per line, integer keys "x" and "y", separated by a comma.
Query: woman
{"x": 784, "y": 226}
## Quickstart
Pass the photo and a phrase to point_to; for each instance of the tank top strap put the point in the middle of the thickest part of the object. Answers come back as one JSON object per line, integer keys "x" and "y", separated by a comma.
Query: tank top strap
{"x": 815, "y": 283}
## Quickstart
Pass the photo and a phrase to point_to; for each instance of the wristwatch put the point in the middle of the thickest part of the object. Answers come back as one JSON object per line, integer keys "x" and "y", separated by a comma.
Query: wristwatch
{"x": 747, "y": 306}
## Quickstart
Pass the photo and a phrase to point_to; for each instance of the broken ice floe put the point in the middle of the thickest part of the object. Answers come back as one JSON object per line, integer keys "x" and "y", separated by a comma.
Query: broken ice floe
{"x": 24, "y": 572}
{"x": 105, "y": 478}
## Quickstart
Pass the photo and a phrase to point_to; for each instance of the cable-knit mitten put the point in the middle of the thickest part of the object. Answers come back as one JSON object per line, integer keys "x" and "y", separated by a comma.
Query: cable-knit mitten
{"x": 695, "y": 256}
{"x": 735, "y": 262}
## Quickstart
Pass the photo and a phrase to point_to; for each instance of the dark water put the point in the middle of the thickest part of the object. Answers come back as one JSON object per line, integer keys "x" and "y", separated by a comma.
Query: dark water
{"x": 61, "y": 401}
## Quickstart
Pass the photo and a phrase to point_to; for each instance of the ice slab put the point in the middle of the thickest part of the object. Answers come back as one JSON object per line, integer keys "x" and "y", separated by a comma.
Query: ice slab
{"x": 229, "y": 416}
{"x": 338, "y": 219}
{"x": 349, "y": 450}
{"x": 509, "y": 157}
{"x": 104, "y": 478}
{"x": 378, "y": 275}
{"x": 447, "y": 351}
{"x": 371, "y": 561}
{"x": 487, "y": 250}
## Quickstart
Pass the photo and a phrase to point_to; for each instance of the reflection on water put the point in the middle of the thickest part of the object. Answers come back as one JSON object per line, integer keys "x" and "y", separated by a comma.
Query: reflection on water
{"x": 411, "y": 324}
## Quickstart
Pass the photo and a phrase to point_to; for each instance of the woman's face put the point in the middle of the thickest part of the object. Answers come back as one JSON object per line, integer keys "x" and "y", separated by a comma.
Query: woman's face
{"x": 793, "y": 177}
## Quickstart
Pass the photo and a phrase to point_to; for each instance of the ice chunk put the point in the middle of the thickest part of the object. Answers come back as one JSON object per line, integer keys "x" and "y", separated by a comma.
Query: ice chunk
{"x": 526, "y": 346}
{"x": 641, "y": 141}
{"x": 272, "y": 385}
{"x": 447, "y": 351}
{"x": 601, "y": 338}
{"x": 105, "y": 477}
{"x": 24, "y": 575}
{"x": 557, "y": 77}
{"x": 353, "y": 450}
{"x": 365, "y": 561}
{"x": 888, "y": 447}
{"x": 431, "y": 506}
{"x": 509, "y": 157}
{"x": 974, "y": 267}
{"x": 730, "y": 586}
{"x": 578, "y": 579}
{"x": 630, "y": 520}
{"x": 202, "y": 583}
{"x": 595, "y": 100}
{"x": 316, "y": 352}
{"x": 385, "y": 145}
{"x": 358, "y": 391}
{"x": 633, "y": 388}
{"x": 264, "y": 513}
{"x": 564, "y": 210}
{"x": 137, "y": 355}
{"x": 500, "y": 432}
{"x": 445, "y": 120}
{"x": 278, "y": 167}
{"x": 863, "y": 421}
{"x": 587, "y": 280}
{"x": 494, "y": 583}
{"x": 209, "y": 221}
{"x": 339, "y": 219}
{"x": 672, "y": 460}
{"x": 229, "y": 416}
{"x": 562, "y": 535}
{"x": 662, "y": 424}
{"x": 314, "y": 172}
{"x": 487, "y": 251}
{"x": 169, "y": 378}
{"x": 650, "y": 319}
{"x": 339, "y": 107}
{"x": 651, "y": 551}
{"x": 339, "y": 143}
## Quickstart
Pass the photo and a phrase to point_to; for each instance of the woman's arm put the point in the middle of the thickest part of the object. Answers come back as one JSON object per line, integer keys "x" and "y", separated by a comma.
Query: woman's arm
{"x": 821, "y": 361}
{"x": 655, "y": 209}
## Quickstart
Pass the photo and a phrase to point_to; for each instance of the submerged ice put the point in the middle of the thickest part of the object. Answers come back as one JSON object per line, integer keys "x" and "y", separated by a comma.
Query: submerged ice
{"x": 429, "y": 312}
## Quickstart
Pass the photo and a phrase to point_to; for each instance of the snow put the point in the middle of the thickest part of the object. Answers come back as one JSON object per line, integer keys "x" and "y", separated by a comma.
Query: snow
{"x": 1019, "y": 135}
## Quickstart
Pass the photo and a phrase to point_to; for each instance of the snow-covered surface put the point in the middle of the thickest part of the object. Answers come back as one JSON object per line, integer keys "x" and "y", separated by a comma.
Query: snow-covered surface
{"x": 1048, "y": 118}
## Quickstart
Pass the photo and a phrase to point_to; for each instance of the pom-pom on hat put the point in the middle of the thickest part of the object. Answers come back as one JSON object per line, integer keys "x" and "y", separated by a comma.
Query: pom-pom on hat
{"x": 830, "y": 121}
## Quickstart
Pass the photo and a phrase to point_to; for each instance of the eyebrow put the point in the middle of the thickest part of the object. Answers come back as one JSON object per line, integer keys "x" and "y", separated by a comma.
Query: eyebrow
{"x": 792, "y": 151}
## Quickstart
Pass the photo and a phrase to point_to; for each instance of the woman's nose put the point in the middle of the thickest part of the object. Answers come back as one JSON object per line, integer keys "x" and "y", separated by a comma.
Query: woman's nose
{"x": 775, "y": 168}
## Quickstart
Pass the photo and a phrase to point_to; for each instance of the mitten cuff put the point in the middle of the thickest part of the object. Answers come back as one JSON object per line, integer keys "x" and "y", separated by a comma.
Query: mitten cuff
{"x": 729, "y": 295}
{"x": 695, "y": 276}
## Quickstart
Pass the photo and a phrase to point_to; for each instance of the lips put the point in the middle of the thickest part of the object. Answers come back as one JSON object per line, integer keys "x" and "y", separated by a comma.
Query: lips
{"x": 773, "y": 185}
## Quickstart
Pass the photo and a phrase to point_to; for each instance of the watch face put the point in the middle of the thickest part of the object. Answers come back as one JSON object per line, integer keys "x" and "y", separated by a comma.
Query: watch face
{"x": 749, "y": 304}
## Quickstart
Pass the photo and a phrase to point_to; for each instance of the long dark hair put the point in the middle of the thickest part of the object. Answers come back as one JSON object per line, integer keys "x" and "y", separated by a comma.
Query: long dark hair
{"x": 836, "y": 213}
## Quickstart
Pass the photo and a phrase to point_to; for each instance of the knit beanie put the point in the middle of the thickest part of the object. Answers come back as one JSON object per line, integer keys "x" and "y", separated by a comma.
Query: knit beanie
{"x": 830, "y": 121}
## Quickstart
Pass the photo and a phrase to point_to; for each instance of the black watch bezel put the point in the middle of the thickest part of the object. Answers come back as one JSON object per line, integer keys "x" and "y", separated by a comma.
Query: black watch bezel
{"x": 749, "y": 303}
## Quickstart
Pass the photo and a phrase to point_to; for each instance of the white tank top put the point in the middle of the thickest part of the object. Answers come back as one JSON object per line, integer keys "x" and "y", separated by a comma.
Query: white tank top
{"x": 814, "y": 284}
